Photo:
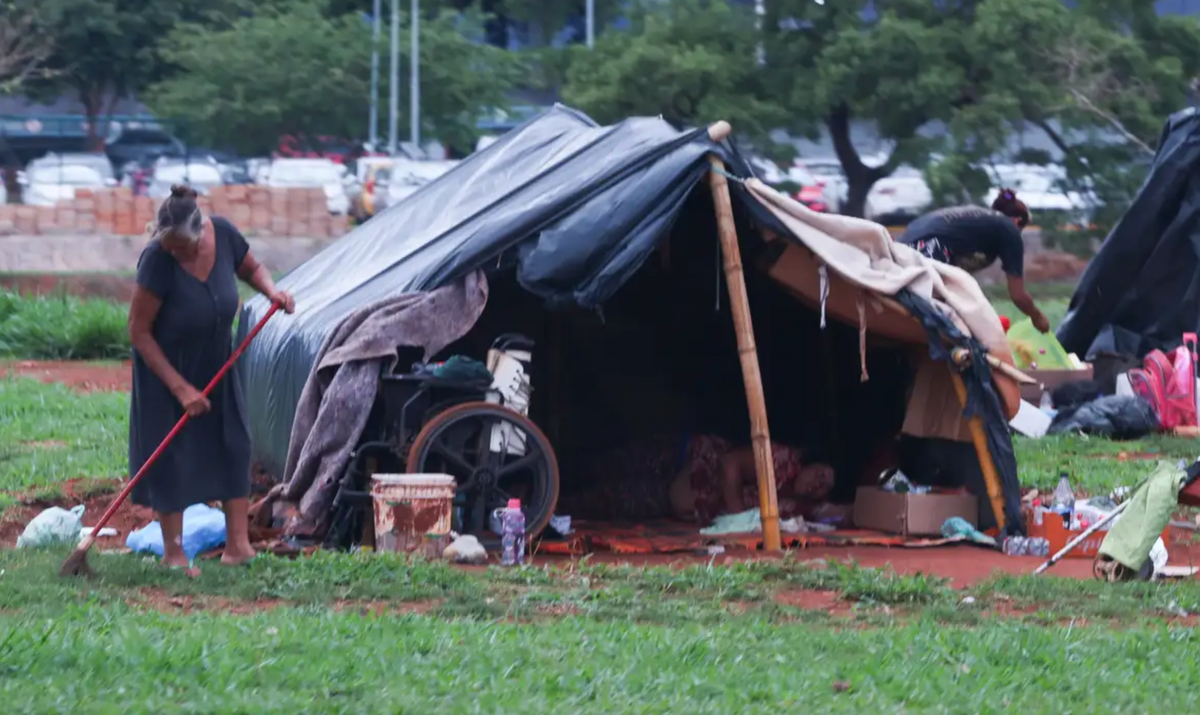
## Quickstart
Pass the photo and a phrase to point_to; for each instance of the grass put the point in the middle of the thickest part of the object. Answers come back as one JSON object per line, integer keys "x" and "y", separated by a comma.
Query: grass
{"x": 50, "y": 433}
{"x": 383, "y": 633}
{"x": 62, "y": 327}
{"x": 316, "y": 661}
{"x": 590, "y": 639}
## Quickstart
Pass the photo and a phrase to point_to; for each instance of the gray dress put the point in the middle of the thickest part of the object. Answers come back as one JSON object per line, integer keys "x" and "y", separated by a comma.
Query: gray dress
{"x": 209, "y": 460}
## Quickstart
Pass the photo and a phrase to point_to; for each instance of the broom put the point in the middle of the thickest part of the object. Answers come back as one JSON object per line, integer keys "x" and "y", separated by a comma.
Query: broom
{"x": 76, "y": 564}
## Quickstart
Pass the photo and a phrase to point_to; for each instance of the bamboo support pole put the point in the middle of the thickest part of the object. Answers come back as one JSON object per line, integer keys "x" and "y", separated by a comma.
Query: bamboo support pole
{"x": 739, "y": 306}
{"x": 986, "y": 465}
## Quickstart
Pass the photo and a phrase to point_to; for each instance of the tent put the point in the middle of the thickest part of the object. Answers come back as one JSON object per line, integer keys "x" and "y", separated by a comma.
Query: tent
{"x": 1142, "y": 290}
{"x": 574, "y": 211}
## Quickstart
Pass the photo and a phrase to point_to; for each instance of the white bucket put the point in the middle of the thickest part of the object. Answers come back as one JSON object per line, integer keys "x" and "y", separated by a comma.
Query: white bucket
{"x": 412, "y": 512}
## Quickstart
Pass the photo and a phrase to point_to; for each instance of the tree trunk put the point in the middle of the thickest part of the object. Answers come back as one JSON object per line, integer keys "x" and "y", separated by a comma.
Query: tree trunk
{"x": 93, "y": 105}
{"x": 859, "y": 177}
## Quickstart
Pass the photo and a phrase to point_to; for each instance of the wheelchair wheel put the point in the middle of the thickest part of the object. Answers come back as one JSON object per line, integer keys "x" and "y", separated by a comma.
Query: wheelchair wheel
{"x": 477, "y": 444}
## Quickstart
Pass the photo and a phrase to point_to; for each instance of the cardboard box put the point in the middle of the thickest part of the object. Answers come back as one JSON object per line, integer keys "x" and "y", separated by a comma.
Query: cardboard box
{"x": 911, "y": 514}
{"x": 1052, "y": 379}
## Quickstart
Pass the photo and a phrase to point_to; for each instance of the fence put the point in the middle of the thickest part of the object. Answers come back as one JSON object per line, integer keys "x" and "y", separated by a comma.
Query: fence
{"x": 255, "y": 210}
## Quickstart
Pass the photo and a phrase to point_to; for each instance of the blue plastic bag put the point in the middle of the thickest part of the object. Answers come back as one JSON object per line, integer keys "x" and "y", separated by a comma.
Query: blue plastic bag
{"x": 203, "y": 529}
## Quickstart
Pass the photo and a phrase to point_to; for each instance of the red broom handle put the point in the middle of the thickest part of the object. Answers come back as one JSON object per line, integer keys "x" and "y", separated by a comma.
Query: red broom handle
{"x": 124, "y": 494}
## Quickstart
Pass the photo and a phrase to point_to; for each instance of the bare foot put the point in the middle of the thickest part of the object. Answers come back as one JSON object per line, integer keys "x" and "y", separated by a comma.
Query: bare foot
{"x": 235, "y": 556}
{"x": 181, "y": 563}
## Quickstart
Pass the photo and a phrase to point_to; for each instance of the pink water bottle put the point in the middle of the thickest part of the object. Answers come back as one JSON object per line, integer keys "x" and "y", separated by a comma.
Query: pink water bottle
{"x": 513, "y": 538}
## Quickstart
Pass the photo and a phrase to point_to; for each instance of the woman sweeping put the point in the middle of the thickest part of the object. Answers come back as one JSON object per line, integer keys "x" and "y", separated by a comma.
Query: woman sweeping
{"x": 180, "y": 324}
{"x": 973, "y": 237}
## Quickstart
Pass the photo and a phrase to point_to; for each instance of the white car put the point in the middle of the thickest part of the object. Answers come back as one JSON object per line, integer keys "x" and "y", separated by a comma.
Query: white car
{"x": 200, "y": 175}
{"x": 901, "y": 196}
{"x": 409, "y": 176}
{"x": 46, "y": 184}
{"x": 1040, "y": 188}
{"x": 311, "y": 173}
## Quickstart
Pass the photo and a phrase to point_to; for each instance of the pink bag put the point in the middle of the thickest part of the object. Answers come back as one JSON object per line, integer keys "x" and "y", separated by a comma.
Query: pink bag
{"x": 1169, "y": 385}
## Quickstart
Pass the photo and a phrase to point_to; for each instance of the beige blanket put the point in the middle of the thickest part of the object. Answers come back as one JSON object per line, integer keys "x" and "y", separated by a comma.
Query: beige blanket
{"x": 863, "y": 253}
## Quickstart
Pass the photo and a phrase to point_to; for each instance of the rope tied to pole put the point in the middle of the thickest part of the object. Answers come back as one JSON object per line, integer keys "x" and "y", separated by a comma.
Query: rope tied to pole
{"x": 727, "y": 175}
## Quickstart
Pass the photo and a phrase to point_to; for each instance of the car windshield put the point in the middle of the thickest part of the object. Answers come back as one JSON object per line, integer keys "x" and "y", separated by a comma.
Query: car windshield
{"x": 303, "y": 174}
{"x": 67, "y": 174}
{"x": 188, "y": 173}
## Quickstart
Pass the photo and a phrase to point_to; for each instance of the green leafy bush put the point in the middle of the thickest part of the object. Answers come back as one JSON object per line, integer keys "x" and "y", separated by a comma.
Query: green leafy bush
{"x": 62, "y": 327}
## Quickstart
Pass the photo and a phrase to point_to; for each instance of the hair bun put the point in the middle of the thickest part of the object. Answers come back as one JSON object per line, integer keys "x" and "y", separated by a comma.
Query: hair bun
{"x": 182, "y": 191}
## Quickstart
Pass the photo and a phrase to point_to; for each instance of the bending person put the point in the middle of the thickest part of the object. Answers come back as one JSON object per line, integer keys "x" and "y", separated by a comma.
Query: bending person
{"x": 180, "y": 324}
{"x": 973, "y": 237}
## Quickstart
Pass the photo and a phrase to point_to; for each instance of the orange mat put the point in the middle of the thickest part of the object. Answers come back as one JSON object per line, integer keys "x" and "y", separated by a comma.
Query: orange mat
{"x": 670, "y": 537}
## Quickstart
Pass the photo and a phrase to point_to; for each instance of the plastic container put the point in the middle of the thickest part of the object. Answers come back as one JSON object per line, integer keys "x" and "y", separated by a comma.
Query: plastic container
{"x": 412, "y": 512}
{"x": 513, "y": 538}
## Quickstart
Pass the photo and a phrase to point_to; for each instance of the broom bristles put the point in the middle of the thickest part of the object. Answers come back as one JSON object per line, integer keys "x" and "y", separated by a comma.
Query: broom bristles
{"x": 76, "y": 564}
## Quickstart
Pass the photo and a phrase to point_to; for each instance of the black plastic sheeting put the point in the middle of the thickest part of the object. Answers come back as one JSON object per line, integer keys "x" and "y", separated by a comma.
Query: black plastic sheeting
{"x": 982, "y": 400}
{"x": 1113, "y": 416}
{"x": 1142, "y": 290}
{"x": 576, "y": 206}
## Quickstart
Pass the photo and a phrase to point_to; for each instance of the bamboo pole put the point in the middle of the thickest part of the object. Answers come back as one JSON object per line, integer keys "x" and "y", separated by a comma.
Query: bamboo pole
{"x": 986, "y": 465}
{"x": 739, "y": 306}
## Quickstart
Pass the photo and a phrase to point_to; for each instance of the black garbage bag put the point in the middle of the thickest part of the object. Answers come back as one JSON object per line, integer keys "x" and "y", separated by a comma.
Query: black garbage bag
{"x": 1115, "y": 416}
{"x": 1077, "y": 394}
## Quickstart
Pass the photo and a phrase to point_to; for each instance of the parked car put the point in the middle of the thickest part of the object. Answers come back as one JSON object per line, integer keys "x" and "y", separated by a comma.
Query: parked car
{"x": 406, "y": 177}
{"x": 46, "y": 182}
{"x": 203, "y": 176}
{"x": 815, "y": 193}
{"x": 1041, "y": 189}
{"x": 899, "y": 197}
{"x": 311, "y": 173}
{"x": 826, "y": 171}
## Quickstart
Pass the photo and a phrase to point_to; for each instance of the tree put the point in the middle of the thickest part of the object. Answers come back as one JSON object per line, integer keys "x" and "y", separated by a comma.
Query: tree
{"x": 25, "y": 44}
{"x": 900, "y": 64}
{"x": 1098, "y": 79}
{"x": 691, "y": 61}
{"x": 293, "y": 70}
{"x": 105, "y": 50}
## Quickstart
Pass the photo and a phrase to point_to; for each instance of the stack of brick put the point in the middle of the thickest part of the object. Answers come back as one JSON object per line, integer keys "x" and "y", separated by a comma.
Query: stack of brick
{"x": 256, "y": 210}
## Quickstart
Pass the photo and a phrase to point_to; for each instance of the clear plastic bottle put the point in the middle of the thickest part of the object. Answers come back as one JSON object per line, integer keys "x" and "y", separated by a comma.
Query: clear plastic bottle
{"x": 513, "y": 538}
{"x": 1064, "y": 499}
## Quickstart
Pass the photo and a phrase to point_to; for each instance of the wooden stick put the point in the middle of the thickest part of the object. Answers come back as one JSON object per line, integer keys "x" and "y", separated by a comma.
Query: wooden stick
{"x": 739, "y": 305}
{"x": 962, "y": 356}
{"x": 986, "y": 465}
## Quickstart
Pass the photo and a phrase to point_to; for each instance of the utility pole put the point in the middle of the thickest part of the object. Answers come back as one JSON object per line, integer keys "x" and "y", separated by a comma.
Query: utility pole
{"x": 414, "y": 91}
{"x": 373, "y": 120}
{"x": 591, "y": 23}
{"x": 394, "y": 84}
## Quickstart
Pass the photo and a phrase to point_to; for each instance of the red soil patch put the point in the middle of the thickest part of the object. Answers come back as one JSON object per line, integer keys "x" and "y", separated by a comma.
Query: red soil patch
{"x": 128, "y": 517}
{"x": 157, "y": 600}
{"x": 88, "y": 285}
{"x": 83, "y": 376}
{"x": 385, "y": 608}
{"x": 827, "y": 601}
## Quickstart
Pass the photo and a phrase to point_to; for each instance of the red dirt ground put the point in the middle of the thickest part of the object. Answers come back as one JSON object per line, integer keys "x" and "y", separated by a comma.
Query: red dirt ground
{"x": 128, "y": 518}
{"x": 83, "y": 376}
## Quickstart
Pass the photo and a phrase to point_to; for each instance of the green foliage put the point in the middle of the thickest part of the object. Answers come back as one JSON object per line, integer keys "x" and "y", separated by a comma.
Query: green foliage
{"x": 50, "y": 433}
{"x": 25, "y": 43}
{"x": 295, "y": 70}
{"x": 107, "y": 49}
{"x": 62, "y": 327}
{"x": 691, "y": 61}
